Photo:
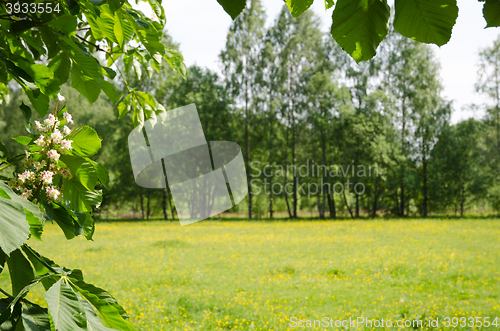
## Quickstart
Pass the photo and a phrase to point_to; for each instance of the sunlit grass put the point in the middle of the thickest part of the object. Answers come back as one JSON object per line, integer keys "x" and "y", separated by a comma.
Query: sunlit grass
{"x": 256, "y": 275}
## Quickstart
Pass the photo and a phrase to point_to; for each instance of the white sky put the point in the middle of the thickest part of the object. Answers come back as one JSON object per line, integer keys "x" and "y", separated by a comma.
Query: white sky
{"x": 200, "y": 26}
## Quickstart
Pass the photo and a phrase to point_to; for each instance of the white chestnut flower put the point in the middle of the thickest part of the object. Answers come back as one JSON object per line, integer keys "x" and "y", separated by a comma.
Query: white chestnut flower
{"x": 52, "y": 193}
{"x": 68, "y": 118}
{"x": 60, "y": 97}
{"x": 66, "y": 130}
{"x": 56, "y": 136}
{"x": 27, "y": 160}
{"x": 27, "y": 175}
{"x": 40, "y": 142}
{"x": 26, "y": 194}
{"x": 66, "y": 145}
{"x": 53, "y": 155}
{"x": 40, "y": 165}
{"x": 50, "y": 121}
{"x": 22, "y": 178}
{"x": 39, "y": 126}
{"x": 47, "y": 177}
{"x": 66, "y": 173}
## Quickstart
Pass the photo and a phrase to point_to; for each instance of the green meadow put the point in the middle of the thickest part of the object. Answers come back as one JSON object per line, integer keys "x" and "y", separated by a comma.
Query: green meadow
{"x": 258, "y": 275}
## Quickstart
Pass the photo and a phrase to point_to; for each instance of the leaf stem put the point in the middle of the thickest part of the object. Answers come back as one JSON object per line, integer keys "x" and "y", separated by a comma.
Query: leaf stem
{"x": 6, "y": 166}
{"x": 123, "y": 77}
{"x": 39, "y": 259}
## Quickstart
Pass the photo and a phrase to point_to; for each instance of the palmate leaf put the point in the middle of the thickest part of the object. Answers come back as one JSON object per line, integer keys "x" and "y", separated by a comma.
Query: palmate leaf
{"x": 36, "y": 225}
{"x": 102, "y": 173}
{"x": 45, "y": 81}
{"x": 80, "y": 198}
{"x": 26, "y": 112}
{"x": 21, "y": 271}
{"x": 39, "y": 100}
{"x": 34, "y": 216}
{"x": 109, "y": 89}
{"x": 118, "y": 30}
{"x": 63, "y": 218}
{"x": 72, "y": 223}
{"x": 14, "y": 229}
{"x": 233, "y": 7}
{"x": 61, "y": 66}
{"x": 86, "y": 224}
{"x": 491, "y": 13}
{"x": 83, "y": 169}
{"x": 40, "y": 263}
{"x": 86, "y": 142}
{"x": 10, "y": 314}
{"x": 427, "y": 21}
{"x": 66, "y": 310}
{"x": 35, "y": 318}
{"x": 86, "y": 85}
{"x": 359, "y": 26}
{"x": 106, "y": 23}
{"x": 34, "y": 258}
{"x": 110, "y": 312}
{"x": 297, "y": 7}
{"x": 93, "y": 321}
{"x": 23, "y": 140}
{"x": 159, "y": 11}
{"x": 65, "y": 23}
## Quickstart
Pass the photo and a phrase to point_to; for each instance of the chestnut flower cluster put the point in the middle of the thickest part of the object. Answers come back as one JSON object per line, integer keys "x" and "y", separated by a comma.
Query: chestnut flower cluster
{"x": 42, "y": 162}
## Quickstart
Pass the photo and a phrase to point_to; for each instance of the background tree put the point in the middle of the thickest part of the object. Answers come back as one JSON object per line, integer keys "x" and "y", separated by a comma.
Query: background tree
{"x": 240, "y": 60}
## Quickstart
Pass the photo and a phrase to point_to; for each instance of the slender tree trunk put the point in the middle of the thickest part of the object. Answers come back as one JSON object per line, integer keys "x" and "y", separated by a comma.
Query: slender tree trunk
{"x": 271, "y": 203}
{"x": 375, "y": 198}
{"x": 347, "y": 205}
{"x": 357, "y": 204}
{"x": 148, "y": 205}
{"x": 402, "y": 201}
{"x": 286, "y": 174}
{"x": 425, "y": 185}
{"x": 403, "y": 144}
{"x": 497, "y": 109}
{"x": 271, "y": 149}
{"x": 331, "y": 202}
{"x": 164, "y": 204}
{"x": 142, "y": 205}
{"x": 397, "y": 202}
{"x": 331, "y": 205}
{"x": 295, "y": 181}
{"x": 320, "y": 210}
{"x": 169, "y": 194}
{"x": 462, "y": 201}
{"x": 247, "y": 149}
{"x": 323, "y": 208}
{"x": 271, "y": 196}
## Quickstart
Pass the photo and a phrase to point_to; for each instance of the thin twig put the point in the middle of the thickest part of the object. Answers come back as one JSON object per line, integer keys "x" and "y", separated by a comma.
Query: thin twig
{"x": 123, "y": 77}
{"x": 96, "y": 46}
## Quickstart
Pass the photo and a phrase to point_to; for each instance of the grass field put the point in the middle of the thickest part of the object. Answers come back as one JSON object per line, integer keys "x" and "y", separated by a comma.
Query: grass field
{"x": 257, "y": 275}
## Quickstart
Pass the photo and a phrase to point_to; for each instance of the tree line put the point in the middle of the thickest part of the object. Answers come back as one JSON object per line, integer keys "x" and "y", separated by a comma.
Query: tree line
{"x": 319, "y": 133}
